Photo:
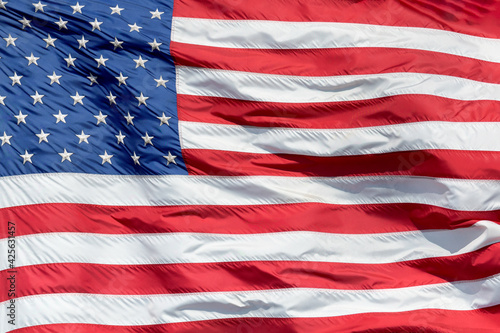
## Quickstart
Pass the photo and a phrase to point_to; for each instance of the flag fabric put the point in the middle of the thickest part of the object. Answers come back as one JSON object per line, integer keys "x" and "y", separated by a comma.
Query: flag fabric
{"x": 250, "y": 166}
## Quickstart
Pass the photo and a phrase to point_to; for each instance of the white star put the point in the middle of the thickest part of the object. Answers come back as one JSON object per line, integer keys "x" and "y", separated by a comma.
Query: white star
{"x": 136, "y": 158}
{"x": 61, "y": 24}
{"x": 155, "y": 45}
{"x": 148, "y": 139}
{"x": 163, "y": 119}
{"x": 5, "y": 138}
{"x": 96, "y": 25}
{"x": 2, "y": 99}
{"x": 39, "y": 6}
{"x": 83, "y": 137}
{"x": 120, "y": 138}
{"x": 16, "y": 79}
{"x": 134, "y": 27}
{"x": 111, "y": 98}
{"x": 54, "y": 78}
{"x": 42, "y": 137}
{"x": 27, "y": 157}
{"x": 160, "y": 82}
{"x": 37, "y": 98}
{"x": 101, "y": 61}
{"x": 25, "y": 22}
{"x": 142, "y": 99}
{"x": 121, "y": 79}
{"x": 156, "y": 14}
{"x": 60, "y": 117}
{"x": 101, "y": 118}
{"x": 77, "y": 98}
{"x": 65, "y": 156}
{"x": 140, "y": 62}
{"x": 116, "y": 10}
{"x": 70, "y": 60}
{"x": 77, "y": 8}
{"x": 32, "y": 59}
{"x": 2, "y": 4}
{"x": 116, "y": 43}
{"x": 10, "y": 40}
{"x": 82, "y": 42}
{"x": 50, "y": 41}
{"x": 170, "y": 158}
{"x": 21, "y": 118}
{"x": 129, "y": 118}
{"x": 106, "y": 158}
{"x": 93, "y": 79}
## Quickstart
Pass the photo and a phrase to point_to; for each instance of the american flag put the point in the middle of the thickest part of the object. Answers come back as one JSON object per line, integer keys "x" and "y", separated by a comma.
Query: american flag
{"x": 250, "y": 166}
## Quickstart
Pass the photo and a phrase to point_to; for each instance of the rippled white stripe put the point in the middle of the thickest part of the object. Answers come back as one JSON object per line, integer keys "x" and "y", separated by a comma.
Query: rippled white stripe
{"x": 341, "y": 142}
{"x": 174, "y": 248}
{"x": 110, "y": 190}
{"x": 313, "y": 35}
{"x": 281, "y": 303}
{"x": 296, "y": 89}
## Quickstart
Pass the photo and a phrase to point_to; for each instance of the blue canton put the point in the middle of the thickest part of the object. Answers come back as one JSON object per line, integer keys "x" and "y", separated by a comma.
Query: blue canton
{"x": 87, "y": 87}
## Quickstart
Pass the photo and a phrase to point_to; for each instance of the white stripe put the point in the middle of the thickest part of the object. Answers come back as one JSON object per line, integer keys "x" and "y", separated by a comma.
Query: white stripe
{"x": 317, "y": 35}
{"x": 131, "y": 310}
{"x": 298, "y": 89}
{"x": 110, "y": 190}
{"x": 341, "y": 142}
{"x": 177, "y": 248}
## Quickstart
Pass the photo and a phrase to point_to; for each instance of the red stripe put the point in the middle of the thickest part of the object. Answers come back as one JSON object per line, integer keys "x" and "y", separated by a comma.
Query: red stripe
{"x": 349, "y": 219}
{"x": 373, "y": 112}
{"x": 430, "y": 163}
{"x": 475, "y": 17}
{"x": 331, "y": 62}
{"x": 251, "y": 275}
{"x": 439, "y": 321}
